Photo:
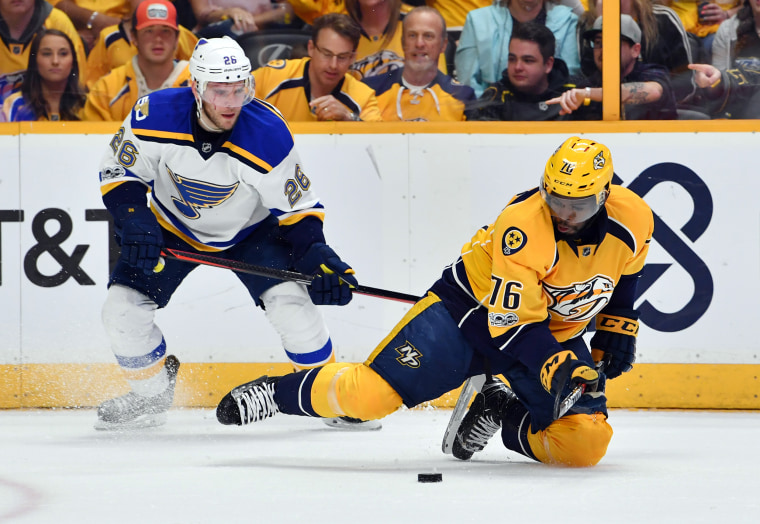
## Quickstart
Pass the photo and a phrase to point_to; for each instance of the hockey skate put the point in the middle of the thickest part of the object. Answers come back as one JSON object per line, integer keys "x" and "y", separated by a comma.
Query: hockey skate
{"x": 352, "y": 424}
{"x": 483, "y": 419}
{"x": 249, "y": 402}
{"x": 133, "y": 411}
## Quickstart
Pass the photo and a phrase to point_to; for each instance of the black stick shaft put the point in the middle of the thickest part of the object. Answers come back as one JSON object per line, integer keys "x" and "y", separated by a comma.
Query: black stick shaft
{"x": 281, "y": 274}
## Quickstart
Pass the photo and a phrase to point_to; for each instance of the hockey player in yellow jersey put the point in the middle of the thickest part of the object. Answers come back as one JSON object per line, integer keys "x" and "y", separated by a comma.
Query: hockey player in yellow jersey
{"x": 515, "y": 303}
{"x": 418, "y": 91}
{"x": 318, "y": 88}
{"x": 155, "y": 34}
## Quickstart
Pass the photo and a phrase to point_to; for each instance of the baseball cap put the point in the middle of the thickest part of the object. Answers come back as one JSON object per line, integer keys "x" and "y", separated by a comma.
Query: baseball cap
{"x": 155, "y": 12}
{"x": 629, "y": 29}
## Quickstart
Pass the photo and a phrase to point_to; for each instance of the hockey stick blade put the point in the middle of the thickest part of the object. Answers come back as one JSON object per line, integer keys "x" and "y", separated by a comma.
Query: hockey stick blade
{"x": 471, "y": 386}
{"x": 280, "y": 274}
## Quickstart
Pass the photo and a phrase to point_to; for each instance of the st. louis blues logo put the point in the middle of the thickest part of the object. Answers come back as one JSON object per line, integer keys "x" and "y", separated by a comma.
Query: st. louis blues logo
{"x": 195, "y": 194}
{"x": 408, "y": 356}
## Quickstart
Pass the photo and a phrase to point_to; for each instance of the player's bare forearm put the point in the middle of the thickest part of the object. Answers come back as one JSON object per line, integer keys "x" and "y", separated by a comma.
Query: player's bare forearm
{"x": 640, "y": 92}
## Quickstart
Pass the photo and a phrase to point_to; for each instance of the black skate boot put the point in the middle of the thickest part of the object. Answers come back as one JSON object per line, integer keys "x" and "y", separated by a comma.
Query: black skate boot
{"x": 483, "y": 419}
{"x": 249, "y": 402}
{"x": 132, "y": 411}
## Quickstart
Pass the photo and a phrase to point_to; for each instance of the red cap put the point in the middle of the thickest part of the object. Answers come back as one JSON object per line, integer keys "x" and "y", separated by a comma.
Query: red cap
{"x": 156, "y": 12}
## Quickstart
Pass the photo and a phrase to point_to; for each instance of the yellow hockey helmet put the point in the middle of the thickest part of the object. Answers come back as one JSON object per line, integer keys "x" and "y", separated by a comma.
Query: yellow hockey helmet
{"x": 579, "y": 172}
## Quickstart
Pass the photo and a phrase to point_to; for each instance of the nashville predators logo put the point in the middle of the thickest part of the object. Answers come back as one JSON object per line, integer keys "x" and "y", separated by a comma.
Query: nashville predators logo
{"x": 580, "y": 301}
{"x": 408, "y": 356}
{"x": 599, "y": 161}
{"x": 513, "y": 241}
{"x": 195, "y": 194}
{"x": 380, "y": 63}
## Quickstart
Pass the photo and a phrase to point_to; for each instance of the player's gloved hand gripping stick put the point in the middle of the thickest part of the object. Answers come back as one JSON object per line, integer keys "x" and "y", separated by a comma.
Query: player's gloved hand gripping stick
{"x": 282, "y": 274}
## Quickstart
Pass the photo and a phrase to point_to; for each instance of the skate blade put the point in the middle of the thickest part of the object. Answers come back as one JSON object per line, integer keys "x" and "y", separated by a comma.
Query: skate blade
{"x": 471, "y": 386}
{"x": 344, "y": 425}
{"x": 141, "y": 422}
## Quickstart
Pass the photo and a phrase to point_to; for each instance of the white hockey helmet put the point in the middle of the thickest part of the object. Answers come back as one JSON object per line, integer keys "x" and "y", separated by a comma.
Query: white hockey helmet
{"x": 221, "y": 61}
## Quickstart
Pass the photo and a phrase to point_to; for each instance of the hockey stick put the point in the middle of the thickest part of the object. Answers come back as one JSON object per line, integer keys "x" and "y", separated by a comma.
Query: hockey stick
{"x": 471, "y": 386}
{"x": 281, "y": 274}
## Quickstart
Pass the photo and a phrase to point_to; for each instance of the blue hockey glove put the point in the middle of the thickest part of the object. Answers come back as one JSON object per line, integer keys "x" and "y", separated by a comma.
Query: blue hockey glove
{"x": 141, "y": 237}
{"x": 333, "y": 282}
{"x": 614, "y": 342}
{"x": 563, "y": 371}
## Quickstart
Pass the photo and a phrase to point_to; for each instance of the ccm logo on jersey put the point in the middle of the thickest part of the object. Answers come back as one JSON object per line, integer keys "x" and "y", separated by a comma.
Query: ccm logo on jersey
{"x": 513, "y": 241}
{"x": 502, "y": 320}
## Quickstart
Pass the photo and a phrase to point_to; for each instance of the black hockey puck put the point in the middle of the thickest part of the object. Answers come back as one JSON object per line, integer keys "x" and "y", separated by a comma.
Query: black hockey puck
{"x": 430, "y": 477}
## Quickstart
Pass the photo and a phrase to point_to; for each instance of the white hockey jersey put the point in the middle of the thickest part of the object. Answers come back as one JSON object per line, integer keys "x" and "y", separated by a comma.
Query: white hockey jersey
{"x": 211, "y": 195}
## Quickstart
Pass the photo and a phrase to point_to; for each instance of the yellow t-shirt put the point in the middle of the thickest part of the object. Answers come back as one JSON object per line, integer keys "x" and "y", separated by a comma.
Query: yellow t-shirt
{"x": 687, "y": 11}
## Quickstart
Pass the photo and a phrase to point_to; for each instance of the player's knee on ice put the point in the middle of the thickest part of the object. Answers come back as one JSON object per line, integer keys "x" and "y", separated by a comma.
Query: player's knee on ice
{"x": 573, "y": 440}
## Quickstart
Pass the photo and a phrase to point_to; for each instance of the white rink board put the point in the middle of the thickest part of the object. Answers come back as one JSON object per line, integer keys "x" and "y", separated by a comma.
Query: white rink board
{"x": 399, "y": 207}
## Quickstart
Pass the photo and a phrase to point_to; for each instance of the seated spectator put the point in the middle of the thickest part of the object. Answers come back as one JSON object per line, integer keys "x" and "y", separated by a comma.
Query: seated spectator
{"x": 380, "y": 49}
{"x": 310, "y": 10}
{"x": 737, "y": 41}
{"x": 483, "y": 48}
{"x": 664, "y": 41}
{"x": 114, "y": 48}
{"x": 702, "y": 18}
{"x": 533, "y": 75}
{"x": 217, "y": 18}
{"x": 51, "y": 88}
{"x": 20, "y": 21}
{"x": 645, "y": 90}
{"x": 155, "y": 34}
{"x": 418, "y": 91}
{"x": 319, "y": 88}
{"x": 455, "y": 11}
{"x": 90, "y": 17}
{"x": 733, "y": 94}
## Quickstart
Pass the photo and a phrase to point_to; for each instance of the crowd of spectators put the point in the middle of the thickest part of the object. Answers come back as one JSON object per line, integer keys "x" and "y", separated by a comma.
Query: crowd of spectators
{"x": 390, "y": 60}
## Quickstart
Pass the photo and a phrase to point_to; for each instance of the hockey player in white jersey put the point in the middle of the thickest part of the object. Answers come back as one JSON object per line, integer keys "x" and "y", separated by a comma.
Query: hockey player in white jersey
{"x": 210, "y": 168}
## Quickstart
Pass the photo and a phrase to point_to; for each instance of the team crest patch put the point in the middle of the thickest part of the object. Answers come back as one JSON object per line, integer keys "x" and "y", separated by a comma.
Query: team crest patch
{"x": 408, "y": 356}
{"x": 513, "y": 241}
{"x": 599, "y": 161}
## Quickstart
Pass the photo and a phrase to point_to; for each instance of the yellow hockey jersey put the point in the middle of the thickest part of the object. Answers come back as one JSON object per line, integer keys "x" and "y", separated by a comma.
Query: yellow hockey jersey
{"x": 112, "y": 97}
{"x": 374, "y": 57}
{"x": 518, "y": 270}
{"x": 285, "y": 84}
{"x": 113, "y": 49}
{"x": 455, "y": 11}
{"x": 14, "y": 54}
{"x": 441, "y": 100}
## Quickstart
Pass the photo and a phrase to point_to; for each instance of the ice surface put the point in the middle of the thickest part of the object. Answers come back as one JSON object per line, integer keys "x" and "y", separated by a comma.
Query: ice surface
{"x": 662, "y": 466}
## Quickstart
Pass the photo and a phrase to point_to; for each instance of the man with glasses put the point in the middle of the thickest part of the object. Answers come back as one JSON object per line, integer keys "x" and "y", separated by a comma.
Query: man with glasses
{"x": 645, "y": 89}
{"x": 318, "y": 88}
{"x": 209, "y": 168}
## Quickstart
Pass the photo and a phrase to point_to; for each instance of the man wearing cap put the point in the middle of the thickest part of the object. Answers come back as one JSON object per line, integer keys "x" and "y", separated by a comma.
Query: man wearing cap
{"x": 155, "y": 35}
{"x": 645, "y": 89}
